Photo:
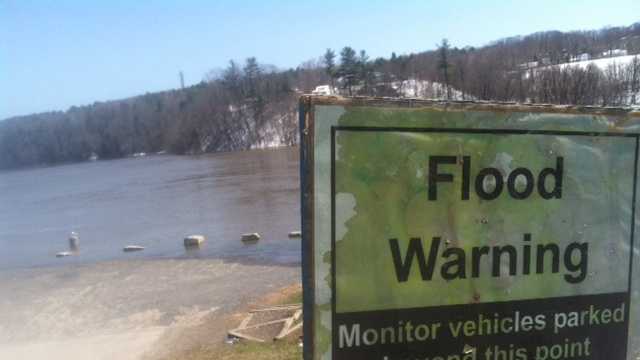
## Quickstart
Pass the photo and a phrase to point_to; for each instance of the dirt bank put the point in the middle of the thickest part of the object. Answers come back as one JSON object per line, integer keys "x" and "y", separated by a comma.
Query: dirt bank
{"x": 206, "y": 340}
{"x": 127, "y": 309}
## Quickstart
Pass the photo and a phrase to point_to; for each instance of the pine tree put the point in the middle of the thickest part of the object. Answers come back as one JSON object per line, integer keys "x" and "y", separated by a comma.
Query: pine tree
{"x": 365, "y": 72}
{"x": 231, "y": 79}
{"x": 443, "y": 65}
{"x": 348, "y": 67}
{"x": 252, "y": 73}
{"x": 329, "y": 60}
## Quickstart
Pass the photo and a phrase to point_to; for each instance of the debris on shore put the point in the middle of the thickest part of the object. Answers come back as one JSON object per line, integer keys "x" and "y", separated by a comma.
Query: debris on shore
{"x": 231, "y": 340}
{"x": 269, "y": 324}
{"x": 250, "y": 237}
{"x": 193, "y": 240}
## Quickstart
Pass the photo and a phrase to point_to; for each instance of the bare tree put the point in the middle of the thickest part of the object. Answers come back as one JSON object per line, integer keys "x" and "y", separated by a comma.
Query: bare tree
{"x": 635, "y": 79}
{"x": 443, "y": 65}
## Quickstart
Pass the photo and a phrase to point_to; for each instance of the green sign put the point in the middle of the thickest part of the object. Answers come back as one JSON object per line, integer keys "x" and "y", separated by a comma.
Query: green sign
{"x": 468, "y": 231}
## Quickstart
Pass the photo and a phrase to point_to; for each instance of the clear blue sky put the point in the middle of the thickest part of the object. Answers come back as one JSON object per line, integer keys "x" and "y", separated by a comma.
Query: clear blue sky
{"x": 54, "y": 54}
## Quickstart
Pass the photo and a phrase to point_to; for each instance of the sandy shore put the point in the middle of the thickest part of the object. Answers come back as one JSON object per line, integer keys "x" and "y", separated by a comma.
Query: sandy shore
{"x": 125, "y": 309}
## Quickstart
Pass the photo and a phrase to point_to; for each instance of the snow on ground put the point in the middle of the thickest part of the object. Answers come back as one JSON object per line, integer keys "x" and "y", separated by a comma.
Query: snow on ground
{"x": 602, "y": 64}
{"x": 414, "y": 88}
{"x": 273, "y": 133}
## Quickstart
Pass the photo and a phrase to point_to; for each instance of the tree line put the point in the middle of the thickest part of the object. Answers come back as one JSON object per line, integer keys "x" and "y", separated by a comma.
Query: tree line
{"x": 251, "y": 104}
{"x": 243, "y": 106}
{"x": 540, "y": 68}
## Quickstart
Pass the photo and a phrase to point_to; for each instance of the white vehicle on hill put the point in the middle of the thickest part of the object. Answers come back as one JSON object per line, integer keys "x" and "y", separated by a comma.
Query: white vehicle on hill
{"x": 322, "y": 90}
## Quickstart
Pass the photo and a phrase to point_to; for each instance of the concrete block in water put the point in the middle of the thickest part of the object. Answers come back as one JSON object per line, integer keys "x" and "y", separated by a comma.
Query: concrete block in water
{"x": 250, "y": 237}
{"x": 193, "y": 240}
{"x": 131, "y": 248}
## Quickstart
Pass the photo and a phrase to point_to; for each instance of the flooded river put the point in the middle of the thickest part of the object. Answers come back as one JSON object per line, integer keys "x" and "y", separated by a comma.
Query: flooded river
{"x": 154, "y": 202}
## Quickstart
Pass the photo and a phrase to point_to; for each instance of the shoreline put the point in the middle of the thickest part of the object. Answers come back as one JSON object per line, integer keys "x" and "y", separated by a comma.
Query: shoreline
{"x": 121, "y": 309}
{"x": 146, "y": 156}
{"x": 231, "y": 259}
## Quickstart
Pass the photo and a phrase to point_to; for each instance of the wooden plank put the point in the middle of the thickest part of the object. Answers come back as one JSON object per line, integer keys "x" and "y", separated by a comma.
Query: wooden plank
{"x": 285, "y": 328}
{"x": 278, "y": 308}
{"x": 291, "y": 330}
{"x": 245, "y": 321}
{"x": 243, "y": 336}
{"x": 265, "y": 324}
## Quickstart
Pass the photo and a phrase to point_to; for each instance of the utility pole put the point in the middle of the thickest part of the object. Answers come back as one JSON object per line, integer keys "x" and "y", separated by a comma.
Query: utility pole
{"x": 181, "y": 80}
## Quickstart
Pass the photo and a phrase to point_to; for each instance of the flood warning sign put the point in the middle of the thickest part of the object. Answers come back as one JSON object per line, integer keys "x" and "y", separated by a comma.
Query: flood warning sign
{"x": 500, "y": 242}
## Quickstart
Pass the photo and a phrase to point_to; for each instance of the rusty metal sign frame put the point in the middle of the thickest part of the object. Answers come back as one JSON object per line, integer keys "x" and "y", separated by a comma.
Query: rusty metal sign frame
{"x": 307, "y": 104}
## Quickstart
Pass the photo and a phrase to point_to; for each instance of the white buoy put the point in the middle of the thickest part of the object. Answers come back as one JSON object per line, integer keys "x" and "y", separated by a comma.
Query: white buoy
{"x": 131, "y": 248}
{"x": 250, "y": 237}
{"x": 193, "y": 240}
{"x": 63, "y": 254}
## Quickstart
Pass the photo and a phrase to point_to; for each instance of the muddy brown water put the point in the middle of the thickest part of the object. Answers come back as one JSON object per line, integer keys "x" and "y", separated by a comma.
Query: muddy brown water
{"x": 154, "y": 202}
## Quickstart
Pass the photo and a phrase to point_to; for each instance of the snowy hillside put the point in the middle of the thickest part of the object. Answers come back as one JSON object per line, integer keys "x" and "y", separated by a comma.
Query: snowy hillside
{"x": 603, "y": 63}
{"x": 280, "y": 130}
{"x": 608, "y": 81}
{"x": 414, "y": 88}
